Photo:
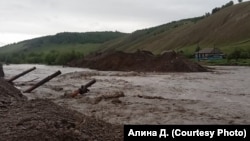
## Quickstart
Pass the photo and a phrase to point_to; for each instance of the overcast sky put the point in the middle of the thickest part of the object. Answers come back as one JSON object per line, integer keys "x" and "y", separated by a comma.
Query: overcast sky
{"x": 25, "y": 19}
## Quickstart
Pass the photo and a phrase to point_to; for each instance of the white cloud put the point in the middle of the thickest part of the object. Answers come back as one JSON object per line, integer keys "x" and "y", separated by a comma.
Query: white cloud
{"x": 6, "y": 38}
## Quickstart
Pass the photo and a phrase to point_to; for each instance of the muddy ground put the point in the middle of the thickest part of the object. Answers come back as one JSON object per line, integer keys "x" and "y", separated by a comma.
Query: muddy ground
{"x": 41, "y": 119}
{"x": 218, "y": 97}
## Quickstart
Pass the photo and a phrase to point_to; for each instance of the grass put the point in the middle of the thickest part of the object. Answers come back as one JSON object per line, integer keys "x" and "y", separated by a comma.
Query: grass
{"x": 13, "y": 48}
{"x": 225, "y": 62}
{"x": 83, "y": 48}
{"x": 226, "y": 48}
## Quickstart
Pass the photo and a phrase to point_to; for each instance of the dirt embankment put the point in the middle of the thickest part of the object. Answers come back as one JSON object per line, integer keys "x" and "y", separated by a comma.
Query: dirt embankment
{"x": 39, "y": 120}
{"x": 142, "y": 61}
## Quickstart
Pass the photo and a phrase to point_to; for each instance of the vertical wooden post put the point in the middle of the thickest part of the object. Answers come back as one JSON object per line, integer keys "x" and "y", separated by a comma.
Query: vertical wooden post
{"x": 1, "y": 70}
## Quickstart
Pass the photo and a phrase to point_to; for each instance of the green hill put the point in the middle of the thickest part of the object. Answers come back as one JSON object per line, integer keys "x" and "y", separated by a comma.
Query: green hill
{"x": 227, "y": 29}
{"x": 38, "y": 50}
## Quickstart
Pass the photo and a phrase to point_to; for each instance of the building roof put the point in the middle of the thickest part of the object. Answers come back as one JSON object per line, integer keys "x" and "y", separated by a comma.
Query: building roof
{"x": 210, "y": 50}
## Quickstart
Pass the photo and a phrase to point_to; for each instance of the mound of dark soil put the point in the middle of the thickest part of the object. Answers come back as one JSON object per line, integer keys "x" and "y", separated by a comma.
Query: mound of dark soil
{"x": 142, "y": 61}
{"x": 41, "y": 120}
{"x": 9, "y": 96}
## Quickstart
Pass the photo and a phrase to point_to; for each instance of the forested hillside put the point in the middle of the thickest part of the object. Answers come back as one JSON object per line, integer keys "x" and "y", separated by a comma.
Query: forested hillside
{"x": 56, "y": 49}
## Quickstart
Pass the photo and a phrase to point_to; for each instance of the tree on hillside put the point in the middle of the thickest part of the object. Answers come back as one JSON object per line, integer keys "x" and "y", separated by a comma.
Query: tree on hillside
{"x": 50, "y": 57}
{"x": 65, "y": 57}
{"x": 197, "y": 48}
{"x": 235, "y": 55}
{"x": 240, "y": 1}
{"x": 207, "y": 14}
{"x": 216, "y": 9}
{"x": 231, "y": 3}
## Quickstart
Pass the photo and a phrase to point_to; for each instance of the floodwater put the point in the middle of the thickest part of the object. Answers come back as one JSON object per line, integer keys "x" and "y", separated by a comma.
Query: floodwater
{"x": 218, "y": 97}
{"x": 39, "y": 73}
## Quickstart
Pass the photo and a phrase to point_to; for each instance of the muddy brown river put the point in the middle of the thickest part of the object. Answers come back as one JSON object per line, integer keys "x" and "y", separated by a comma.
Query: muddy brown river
{"x": 218, "y": 97}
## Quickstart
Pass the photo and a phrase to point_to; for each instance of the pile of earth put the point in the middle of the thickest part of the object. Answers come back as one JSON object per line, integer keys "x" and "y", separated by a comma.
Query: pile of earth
{"x": 141, "y": 61}
{"x": 41, "y": 120}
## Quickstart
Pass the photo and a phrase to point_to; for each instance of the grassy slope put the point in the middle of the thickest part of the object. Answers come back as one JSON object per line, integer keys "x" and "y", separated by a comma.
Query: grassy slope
{"x": 83, "y": 48}
{"x": 226, "y": 29}
{"x": 63, "y": 42}
{"x": 149, "y": 39}
{"x": 13, "y": 48}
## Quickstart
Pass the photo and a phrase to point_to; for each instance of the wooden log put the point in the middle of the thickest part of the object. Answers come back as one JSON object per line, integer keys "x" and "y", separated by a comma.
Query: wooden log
{"x": 21, "y": 74}
{"x": 42, "y": 81}
{"x": 84, "y": 88}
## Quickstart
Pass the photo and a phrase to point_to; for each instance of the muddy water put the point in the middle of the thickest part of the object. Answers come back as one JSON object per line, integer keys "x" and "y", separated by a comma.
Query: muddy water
{"x": 39, "y": 73}
{"x": 218, "y": 97}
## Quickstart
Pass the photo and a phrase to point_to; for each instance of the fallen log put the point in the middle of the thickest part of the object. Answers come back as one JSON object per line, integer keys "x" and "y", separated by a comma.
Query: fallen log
{"x": 21, "y": 74}
{"x": 84, "y": 88}
{"x": 42, "y": 81}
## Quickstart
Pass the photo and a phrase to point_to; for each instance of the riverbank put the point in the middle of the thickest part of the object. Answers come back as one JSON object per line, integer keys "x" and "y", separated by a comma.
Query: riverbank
{"x": 41, "y": 119}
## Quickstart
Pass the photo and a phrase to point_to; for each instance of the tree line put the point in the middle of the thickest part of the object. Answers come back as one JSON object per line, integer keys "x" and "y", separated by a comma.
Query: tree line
{"x": 216, "y": 9}
{"x": 71, "y": 38}
{"x": 238, "y": 54}
{"x": 53, "y": 57}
